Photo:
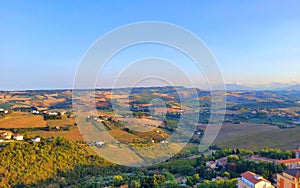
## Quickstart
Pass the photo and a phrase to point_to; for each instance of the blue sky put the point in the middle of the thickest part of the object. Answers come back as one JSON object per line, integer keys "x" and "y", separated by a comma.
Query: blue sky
{"x": 256, "y": 43}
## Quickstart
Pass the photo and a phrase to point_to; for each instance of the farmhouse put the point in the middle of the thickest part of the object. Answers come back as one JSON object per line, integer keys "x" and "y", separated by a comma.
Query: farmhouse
{"x": 37, "y": 139}
{"x": 52, "y": 115}
{"x": 3, "y": 112}
{"x": 18, "y": 137}
{"x": 251, "y": 180}
{"x": 36, "y": 112}
{"x": 99, "y": 144}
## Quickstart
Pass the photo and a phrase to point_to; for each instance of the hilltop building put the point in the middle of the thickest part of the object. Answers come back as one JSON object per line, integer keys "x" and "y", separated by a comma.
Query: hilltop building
{"x": 290, "y": 163}
{"x": 289, "y": 179}
{"x": 251, "y": 180}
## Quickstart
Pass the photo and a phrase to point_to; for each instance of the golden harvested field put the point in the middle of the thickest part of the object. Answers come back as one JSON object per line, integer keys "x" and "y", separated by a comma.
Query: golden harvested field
{"x": 123, "y": 135}
{"x": 140, "y": 121}
{"x": 61, "y": 122}
{"x": 290, "y": 109}
{"x": 73, "y": 134}
{"x": 164, "y": 95}
{"x": 153, "y": 134}
{"x": 165, "y": 110}
{"x": 22, "y": 120}
{"x": 121, "y": 155}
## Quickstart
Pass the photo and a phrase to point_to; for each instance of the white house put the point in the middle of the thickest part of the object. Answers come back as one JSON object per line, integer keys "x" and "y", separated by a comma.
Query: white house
{"x": 251, "y": 180}
{"x": 99, "y": 144}
{"x": 164, "y": 141}
{"x": 2, "y": 111}
{"x": 35, "y": 112}
{"x": 37, "y": 139}
{"x": 52, "y": 113}
{"x": 18, "y": 137}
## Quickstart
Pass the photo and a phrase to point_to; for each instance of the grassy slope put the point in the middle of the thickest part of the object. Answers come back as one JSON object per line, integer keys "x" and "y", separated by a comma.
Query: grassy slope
{"x": 255, "y": 136}
{"x": 22, "y": 120}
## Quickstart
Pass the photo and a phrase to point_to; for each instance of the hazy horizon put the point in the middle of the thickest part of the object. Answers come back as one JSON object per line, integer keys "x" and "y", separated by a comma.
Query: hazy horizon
{"x": 256, "y": 44}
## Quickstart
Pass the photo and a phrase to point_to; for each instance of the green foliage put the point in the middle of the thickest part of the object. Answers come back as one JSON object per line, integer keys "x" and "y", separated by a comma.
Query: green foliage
{"x": 265, "y": 169}
{"x": 28, "y": 163}
{"x": 275, "y": 153}
{"x": 58, "y": 162}
{"x": 226, "y": 152}
{"x": 218, "y": 184}
{"x": 118, "y": 180}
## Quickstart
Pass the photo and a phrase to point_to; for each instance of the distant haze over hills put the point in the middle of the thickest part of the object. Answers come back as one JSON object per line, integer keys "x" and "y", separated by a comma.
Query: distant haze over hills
{"x": 238, "y": 87}
{"x": 229, "y": 87}
{"x": 295, "y": 87}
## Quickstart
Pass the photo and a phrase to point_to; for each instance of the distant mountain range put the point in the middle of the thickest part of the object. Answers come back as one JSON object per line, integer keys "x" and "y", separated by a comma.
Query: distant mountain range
{"x": 237, "y": 87}
{"x": 295, "y": 87}
{"x": 229, "y": 87}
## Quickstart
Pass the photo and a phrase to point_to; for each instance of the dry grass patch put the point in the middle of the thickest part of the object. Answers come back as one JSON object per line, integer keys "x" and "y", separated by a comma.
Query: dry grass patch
{"x": 73, "y": 134}
{"x": 123, "y": 136}
{"x": 64, "y": 121}
{"x": 22, "y": 120}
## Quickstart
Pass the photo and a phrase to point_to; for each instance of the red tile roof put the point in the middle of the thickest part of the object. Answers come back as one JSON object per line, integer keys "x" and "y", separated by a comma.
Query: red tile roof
{"x": 211, "y": 162}
{"x": 250, "y": 176}
{"x": 296, "y": 160}
{"x": 259, "y": 158}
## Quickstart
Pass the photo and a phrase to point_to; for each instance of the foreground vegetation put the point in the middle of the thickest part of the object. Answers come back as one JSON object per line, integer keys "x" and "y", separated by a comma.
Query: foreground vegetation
{"x": 253, "y": 121}
{"x": 58, "y": 162}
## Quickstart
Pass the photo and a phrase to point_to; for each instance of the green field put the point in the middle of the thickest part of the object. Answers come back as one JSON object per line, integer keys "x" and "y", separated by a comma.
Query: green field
{"x": 257, "y": 136}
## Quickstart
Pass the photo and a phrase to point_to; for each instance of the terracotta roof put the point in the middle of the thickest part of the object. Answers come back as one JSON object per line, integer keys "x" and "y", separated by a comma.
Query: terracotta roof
{"x": 293, "y": 172}
{"x": 296, "y": 160}
{"x": 211, "y": 162}
{"x": 222, "y": 160}
{"x": 250, "y": 176}
{"x": 256, "y": 157}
